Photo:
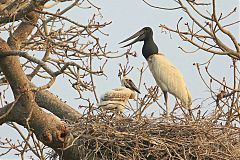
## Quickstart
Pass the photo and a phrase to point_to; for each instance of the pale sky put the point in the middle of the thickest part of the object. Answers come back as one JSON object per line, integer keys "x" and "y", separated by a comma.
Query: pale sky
{"x": 129, "y": 16}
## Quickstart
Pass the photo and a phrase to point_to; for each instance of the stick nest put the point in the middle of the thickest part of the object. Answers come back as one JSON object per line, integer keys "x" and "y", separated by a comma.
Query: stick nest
{"x": 102, "y": 137}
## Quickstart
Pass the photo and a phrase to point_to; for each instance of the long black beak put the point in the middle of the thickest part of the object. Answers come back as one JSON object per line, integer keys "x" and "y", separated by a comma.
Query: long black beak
{"x": 131, "y": 86}
{"x": 139, "y": 35}
{"x": 135, "y": 89}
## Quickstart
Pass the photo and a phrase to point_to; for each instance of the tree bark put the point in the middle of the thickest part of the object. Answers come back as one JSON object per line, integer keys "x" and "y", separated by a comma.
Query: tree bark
{"x": 26, "y": 109}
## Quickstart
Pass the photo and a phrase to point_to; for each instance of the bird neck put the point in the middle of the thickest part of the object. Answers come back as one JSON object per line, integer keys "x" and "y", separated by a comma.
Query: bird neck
{"x": 149, "y": 48}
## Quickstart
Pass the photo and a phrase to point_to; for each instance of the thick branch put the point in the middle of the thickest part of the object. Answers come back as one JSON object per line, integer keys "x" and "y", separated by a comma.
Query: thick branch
{"x": 44, "y": 98}
{"x": 25, "y": 111}
{"x": 47, "y": 100}
{"x": 23, "y": 12}
{"x": 47, "y": 127}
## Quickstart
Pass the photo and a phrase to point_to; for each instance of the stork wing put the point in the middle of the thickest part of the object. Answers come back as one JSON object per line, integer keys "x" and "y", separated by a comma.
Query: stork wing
{"x": 168, "y": 77}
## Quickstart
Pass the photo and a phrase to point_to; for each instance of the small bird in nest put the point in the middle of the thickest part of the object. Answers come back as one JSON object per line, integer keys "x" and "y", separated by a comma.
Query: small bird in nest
{"x": 117, "y": 98}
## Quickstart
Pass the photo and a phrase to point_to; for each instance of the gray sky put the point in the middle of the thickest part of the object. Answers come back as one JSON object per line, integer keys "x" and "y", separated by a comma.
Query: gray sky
{"x": 129, "y": 16}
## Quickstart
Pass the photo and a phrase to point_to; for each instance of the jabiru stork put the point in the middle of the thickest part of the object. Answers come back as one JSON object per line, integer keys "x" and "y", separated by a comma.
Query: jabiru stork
{"x": 166, "y": 75}
{"x": 117, "y": 98}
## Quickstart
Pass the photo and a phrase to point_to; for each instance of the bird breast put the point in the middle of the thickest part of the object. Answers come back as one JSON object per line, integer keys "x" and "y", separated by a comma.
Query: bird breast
{"x": 116, "y": 98}
{"x": 168, "y": 77}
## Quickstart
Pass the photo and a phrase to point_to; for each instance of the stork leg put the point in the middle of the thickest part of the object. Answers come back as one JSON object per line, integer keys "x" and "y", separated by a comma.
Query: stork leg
{"x": 166, "y": 103}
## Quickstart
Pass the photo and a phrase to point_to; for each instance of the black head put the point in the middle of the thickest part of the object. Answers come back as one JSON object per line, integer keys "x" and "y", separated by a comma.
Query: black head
{"x": 146, "y": 35}
{"x": 128, "y": 83}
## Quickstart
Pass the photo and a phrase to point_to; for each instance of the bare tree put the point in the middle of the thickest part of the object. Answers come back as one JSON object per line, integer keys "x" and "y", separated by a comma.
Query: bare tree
{"x": 58, "y": 41}
{"x": 45, "y": 44}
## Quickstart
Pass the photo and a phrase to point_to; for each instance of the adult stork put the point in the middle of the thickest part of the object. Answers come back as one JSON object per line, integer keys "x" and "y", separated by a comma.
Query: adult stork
{"x": 166, "y": 75}
{"x": 117, "y": 98}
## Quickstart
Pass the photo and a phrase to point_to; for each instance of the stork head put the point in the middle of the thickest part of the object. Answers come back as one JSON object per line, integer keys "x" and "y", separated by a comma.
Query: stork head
{"x": 142, "y": 35}
{"x": 146, "y": 35}
{"x": 128, "y": 83}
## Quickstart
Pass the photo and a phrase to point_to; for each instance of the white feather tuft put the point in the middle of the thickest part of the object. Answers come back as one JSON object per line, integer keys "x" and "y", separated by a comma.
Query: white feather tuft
{"x": 169, "y": 78}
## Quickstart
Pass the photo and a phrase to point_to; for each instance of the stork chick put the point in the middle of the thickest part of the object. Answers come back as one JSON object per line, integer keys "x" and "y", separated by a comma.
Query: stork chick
{"x": 117, "y": 98}
{"x": 166, "y": 75}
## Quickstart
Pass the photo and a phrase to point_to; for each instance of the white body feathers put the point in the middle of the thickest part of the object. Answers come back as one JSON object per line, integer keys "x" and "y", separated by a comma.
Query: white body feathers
{"x": 169, "y": 78}
{"x": 116, "y": 99}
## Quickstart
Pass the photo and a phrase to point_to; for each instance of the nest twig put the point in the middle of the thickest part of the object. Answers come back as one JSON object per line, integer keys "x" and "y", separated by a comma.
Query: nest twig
{"x": 102, "y": 137}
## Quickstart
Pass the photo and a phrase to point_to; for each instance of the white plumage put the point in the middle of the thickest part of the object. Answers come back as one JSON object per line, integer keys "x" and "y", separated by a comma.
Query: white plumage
{"x": 116, "y": 99}
{"x": 169, "y": 78}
